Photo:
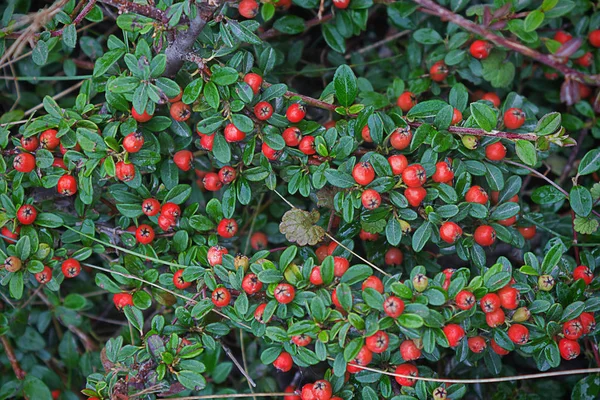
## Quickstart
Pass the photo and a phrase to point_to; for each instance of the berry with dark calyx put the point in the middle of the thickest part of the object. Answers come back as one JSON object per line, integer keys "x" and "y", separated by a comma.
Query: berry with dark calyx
{"x": 514, "y": 118}
{"x": 443, "y": 172}
{"x": 363, "y": 358}
{"x": 440, "y": 393}
{"x": 30, "y": 143}
{"x": 415, "y": 195}
{"x": 406, "y": 101}
{"x": 248, "y": 8}
{"x": 569, "y": 349}
{"x": 179, "y": 282}
{"x": 215, "y": 255}
{"x": 284, "y": 293}
{"x": 465, "y": 300}
{"x": 495, "y": 318}
{"x": 254, "y": 81}
{"x": 450, "y": 232}
{"x": 121, "y": 300}
{"x": 233, "y": 134}
{"x": 295, "y": 113}
{"x": 476, "y": 194}
{"x": 409, "y": 351}
{"x": 509, "y": 297}
{"x": 480, "y": 49}
{"x": 270, "y": 153}
{"x": 562, "y": 37}
{"x": 420, "y": 282}
{"x": 470, "y": 142}
{"x": 414, "y": 175}
{"x": 143, "y": 117}
{"x": 144, "y": 234}
{"x": 184, "y": 160}
{"x": 133, "y": 142}
{"x": 171, "y": 210}
{"x": 292, "y": 136}
{"x": 518, "y": 333}
{"x": 301, "y": 340}
{"x": 259, "y": 313}
{"x": 12, "y": 264}
{"x": 307, "y": 145}
{"x": 363, "y": 173}
{"x": 485, "y": 235}
{"x": 476, "y": 344}
{"x": 546, "y": 283}
{"x": 263, "y": 110}
{"x": 24, "y": 162}
{"x": 124, "y": 172}
{"x": 378, "y": 342}
{"x": 283, "y": 362}
{"x": 454, "y": 333}
{"x": 438, "y": 71}
{"x": 398, "y": 163}
{"x": 70, "y": 268}
{"x": 48, "y": 139}
{"x": 393, "y": 256}
{"x": 227, "y": 174}
{"x": 406, "y": 370}
{"x": 401, "y": 138}
{"x": 206, "y": 141}
{"x": 67, "y": 185}
{"x": 588, "y": 322}
{"x": 220, "y": 297}
{"x": 166, "y": 223}
{"x": 393, "y": 306}
{"x": 180, "y": 111}
{"x": 573, "y": 329}
{"x": 583, "y": 272}
{"x": 26, "y": 214}
{"x": 374, "y": 283}
{"x": 370, "y": 199}
{"x": 495, "y": 151}
{"x": 227, "y": 228}
{"x": 251, "y": 284}
{"x": 490, "y": 303}
{"x": 492, "y": 98}
{"x": 521, "y": 315}
{"x": 322, "y": 390}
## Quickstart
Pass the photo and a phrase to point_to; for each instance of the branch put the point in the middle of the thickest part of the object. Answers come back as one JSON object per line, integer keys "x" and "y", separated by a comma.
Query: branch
{"x": 10, "y": 354}
{"x": 86, "y": 10}
{"x": 431, "y": 7}
{"x": 177, "y": 50}
{"x": 125, "y": 6}
{"x": 271, "y": 33}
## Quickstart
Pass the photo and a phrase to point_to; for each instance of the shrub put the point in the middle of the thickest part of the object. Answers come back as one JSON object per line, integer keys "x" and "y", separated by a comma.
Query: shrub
{"x": 355, "y": 194}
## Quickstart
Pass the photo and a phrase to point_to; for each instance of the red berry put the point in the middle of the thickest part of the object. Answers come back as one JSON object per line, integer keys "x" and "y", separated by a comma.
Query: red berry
{"x": 292, "y": 136}
{"x": 183, "y": 159}
{"x": 378, "y": 342}
{"x": 248, "y": 8}
{"x": 508, "y": 221}
{"x": 227, "y": 228}
{"x": 366, "y": 134}
{"x": 562, "y": 37}
{"x": 409, "y": 351}
{"x": 251, "y": 284}
{"x": 30, "y": 143}
{"x": 374, "y": 283}
{"x": 220, "y": 297}
{"x": 363, "y": 358}
{"x": 26, "y": 214}
{"x": 495, "y": 151}
{"x": 495, "y": 318}
{"x": 456, "y": 116}
{"x": 480, "y": 49}
{"x": 393, "y": 256}
{"x": 476, "y": 344}
{"x": 497, "y": 349}
{"x": 24, "y": 162}
{"x": 492, "y": 98}
{"x": 176, "y": 98}
{"x": 370, "y": 199}
{"x": 398, "y": 163}
{"x": 206, "y": 141}
{"x": 514, "y": 118}
{"x": 259, "y": 314}
{"x": 301, "y": 340}
{"x": 518, "y": 333}
{"x": 70, "y": 268}
{"x": 585, "y": 60}
{"x": 215, "y": 255}
{"x": 465, "y": 300}
{"x": 401, "y": 138}
{"x": 340, "y": 266}
{"x": 528, "y": 232}
{"x": 124, "y": 171}
{"x": 144, "y": 234}
{"x": 454, "y": 333}
{"x": 341, "y": 4}
{"x": 166, "y": 223}
{"x": 284, "y": 293}
{"x": 263, "y": 110}
{"x": 254, "y": 81}
{"x": 476, "y": 194}
{"x": 485, "y": 235}
{"x": 322, "y": 390}
{"x": 259, "y": 240}
{"x": 490, "y": 303}
{"x": 588, "y": 322}
{"x": 583, "y": 272}
{"x": 179, "y": 282}
{"x": 48, "y": 139}
{"x": 283, "y": 362}
{"x": 133, "y": 142}
{"x": 393, "y": 306}
{"x": 308, "y": 392}
{"x": 307, "y": 145}
{"x": 227, "y": 174}
{"x": 180, "y": 111}
{"x": 415, "y": 195}
{"x": 414, "y": 175}
{"x": 295, "y": 113}
{"x": 368, "y": 236}
{"x": 363, "y": 173}
{"x": 315, "y": 276}
{"x": 9, "y": 236}
{"x": 443, "y": 172}
{"x": 509, "y": 297}
{"x": 569, "y": 349}
{"x": 406, "y": 101}
{"x": 450, "y": 232}
{"x": 233, "y": 134}
{"x": 407, "y": 370}
{"x": 438, "y": 71}
{"x": 171, "y": 210}
{"x": 66, "y": 185}
{"x": 121, "y": 300}
{"x": 144, "y": 117}
{"x": 573, "y": 329}
{"x": 594, "y": 38}
{"x": 212, "y": 182}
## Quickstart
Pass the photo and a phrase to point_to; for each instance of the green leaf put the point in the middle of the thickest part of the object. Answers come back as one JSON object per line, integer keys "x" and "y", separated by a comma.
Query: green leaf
{"x": 427, "y": 36}
{"x": 345, "y": 84}
{"x": 426, "y": 109}
{"x": 333, "y": 38}
{"x": 221, "y": 149}
{"x": 393, "y": 231}
{"x": 339, "y": 178}
{"x": 224, "y": 76}
{"x": 581, "y": 200}
{"x": 548, "y": 124}
{"x": 590, "y": 163}
{"x": 533, "y": 20}
{"x": 552, "y": 258}
{"x": 192, "y": 91}
{"x": 484, "y": 116}
{"x": 421, "y": 236}
{"x": 526, "y": 152}
{"x": 191, "y": 380}
{"x": 290, "y": 24}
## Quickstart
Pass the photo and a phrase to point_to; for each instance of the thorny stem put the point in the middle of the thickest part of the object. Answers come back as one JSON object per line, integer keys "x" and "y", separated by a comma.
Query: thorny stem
{"x": 431, "y": 7}
{"x": 10, "y": 354}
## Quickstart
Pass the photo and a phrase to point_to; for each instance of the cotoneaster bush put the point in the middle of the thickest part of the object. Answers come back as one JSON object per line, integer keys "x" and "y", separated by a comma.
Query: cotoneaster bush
{"x": 324, "y": 199}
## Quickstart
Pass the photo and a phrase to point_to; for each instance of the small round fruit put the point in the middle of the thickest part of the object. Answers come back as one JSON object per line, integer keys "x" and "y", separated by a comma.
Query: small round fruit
{"x": 207, "y": 141}
{"x": 120, "y": 300}
{"x": 48, "y": 139}
{"x": 562, "y": 37}
{"x": 450, "y": 232}
{"x": 398, "y": 163}
{"x": 215, "y": 255}
{"x": 443, "y": 172}
{"x": 528, "y": 232}
{"x": 263, "y": 110}
{"x": 521, "y": 315}
{"x": 583, "y": 272}
{"x": 166, "y": 223}
{"x": 585, "y": 60}
{"x": 179, "y": 282}
{"x": 283, "y": 362}
{"x": 307, "y": 145}
{"x": 233, "y": 134}
{"x": 301, "y": 340}
{"x": 378, "y": 342}
{"x": 254, "y": 81}
{"x": 284, "y": 293}
{"x": 438, "y": 71}
{"x": 270, "y": 152}
{"x": 415, "y": 195}
{"x": 295, "y": 113}
{"x": 248, "y": 8}
{"x": 370, "y": 199}
{"x": 569, "y": 349}
{"x": 420, "y": 282}
{"x": 212, "y": 182}
{"x": 144, "y": 117}
{"x": 497, "y": 349}
{"x": 44, "y": 276}
{"x": 407, "y": 370}
{"x": 476, "y": 194}
{"x": 456, "y": 116}
{"x": 30, "y": 143}
{"x": 492, "y": 98}
{"x": 495, "y": 318}
{"x": 220, "y": 297}
{"x": 546, "y": 283}
{"x": 259, "y": 313}
{"x": 495, "y": 151}
{"x": 176, "y": 98}
{"x": 490, "y": 303}
{"x": 409, "y": 351}
{"x": 322, "y": 390}
{"x": 393, "y": 306}
{"x": 485, "y": 235}
{"x": 227, "y": 228}
{"x": 594, "y": 38}
{"x": 440, "y": 393}
{"x": 363, "y": 358}
{"x": 70, "y": 268}
{"x": 363, "y": 173}
{"x": 514, "y": 118}
{"x": 480, "y": 49}
{"x": 124, "y": 172}
{"x": 251, "y": 284}
{"x": 414, "y": 175}
{"x": 366, "y": 134}
{"x": 133, "y": 142}
{"x": 476, "y": 344}
{"x": 12, "y": 264}
{"x": 573, "y": 329}
{"x": 10, "y": 236}
{"x": 184, "y": 160}
{"x": 393, "y": 256}
{"x": 509, "y": 297}
{"x": 340, "y": 266}
{"x": 406, "y": 101}
{"x": 374, "y": 283}
{"x": 144, "y": 234}
{"x": 315, "y": 276}
{"x": 519, "y": 334}
{"x": 292, "y": 136}
{"x": 24, "y": 162}
{"x": 465, "y": 300}
{"x": 342, "y": 5}
{"x": 227, "y": 174}
{"x": 588, "y": 322}
{"x": 67, "y": 185}
{"x": 26, "y": 214}
{"x": 454, "y": 333}
{"x": 401, "y": 138}
{"x": 180, "y": 111}
{"x": 259, "y": 240}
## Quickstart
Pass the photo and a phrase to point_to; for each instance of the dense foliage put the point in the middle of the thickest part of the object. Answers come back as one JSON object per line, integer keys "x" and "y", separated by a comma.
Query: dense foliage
{"x": 353, "y": 193}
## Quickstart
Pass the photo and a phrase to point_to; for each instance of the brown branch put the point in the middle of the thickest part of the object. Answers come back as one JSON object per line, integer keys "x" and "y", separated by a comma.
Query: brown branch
{"x": 86, "y": 10}
{"x": 125, "y": 6}
{"x": 271, "y": 33}
{"x": 10, "y": 354}
{"x": 431, "y": 7}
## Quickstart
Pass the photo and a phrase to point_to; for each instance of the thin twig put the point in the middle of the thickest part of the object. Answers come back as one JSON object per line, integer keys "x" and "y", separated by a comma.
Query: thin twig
{"x": 10, "y": 354}
{"x": 380, "y": 43}
{"x": 125, "y": 6}
{"x": 227, "y": 351}
{"x": 244, "y": 361}
{"x": 232, "y": 396}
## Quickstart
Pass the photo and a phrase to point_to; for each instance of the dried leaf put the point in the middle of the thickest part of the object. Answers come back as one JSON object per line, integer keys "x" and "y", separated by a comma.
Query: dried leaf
{"x": 298, "y": 226}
